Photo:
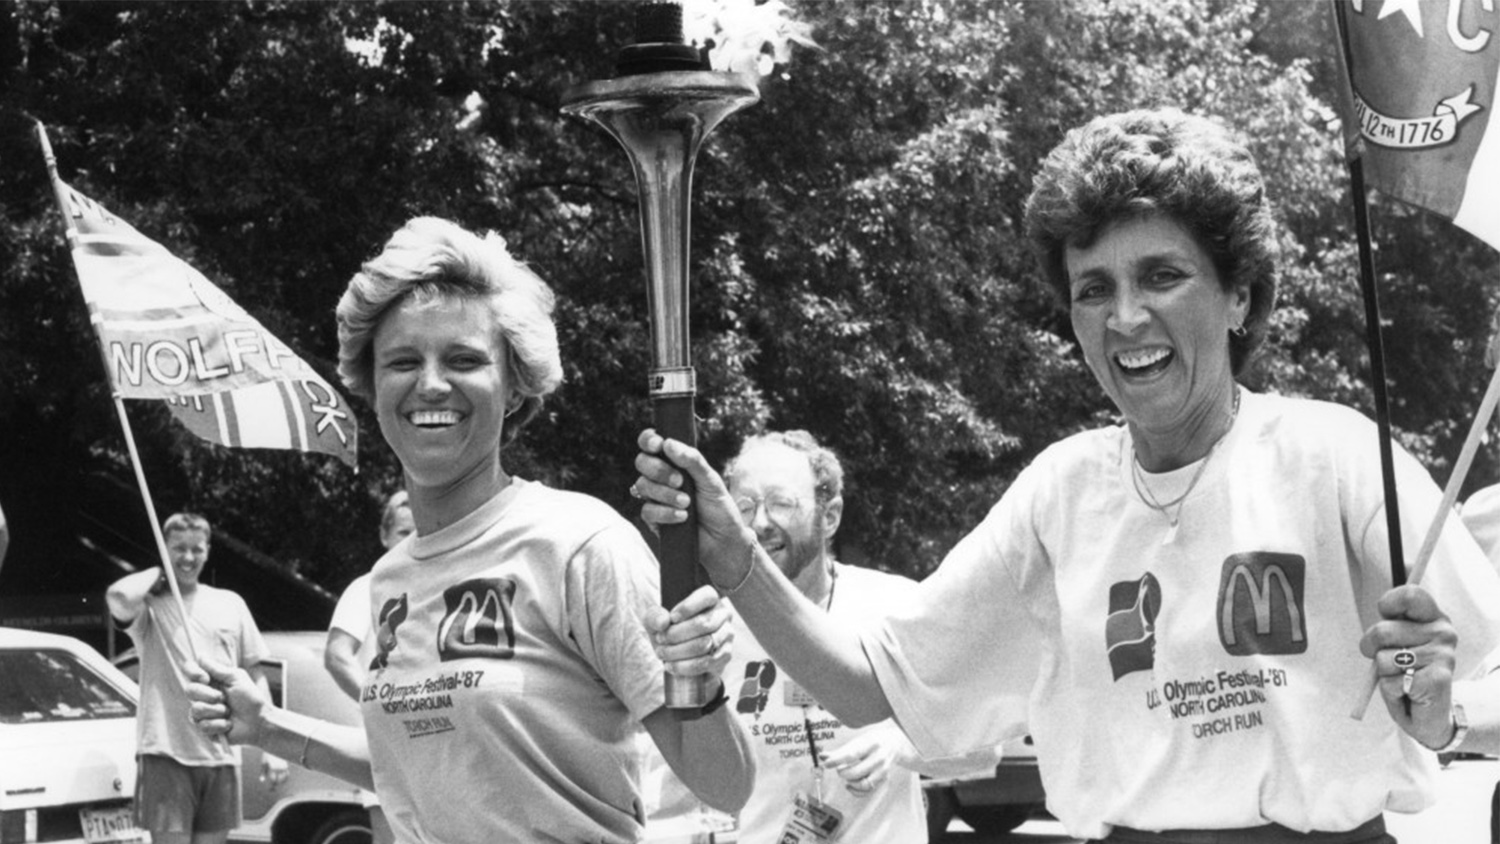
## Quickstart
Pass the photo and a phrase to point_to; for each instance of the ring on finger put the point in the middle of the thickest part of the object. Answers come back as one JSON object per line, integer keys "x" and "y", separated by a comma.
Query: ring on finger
{"x": 1406, "y": 660}
{"x": 635, "y": 491}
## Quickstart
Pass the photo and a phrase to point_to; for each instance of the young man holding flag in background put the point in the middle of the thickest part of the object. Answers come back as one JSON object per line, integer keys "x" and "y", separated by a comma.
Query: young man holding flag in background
{"x": 167, "y": 333}
{"x": 187, "y": 786}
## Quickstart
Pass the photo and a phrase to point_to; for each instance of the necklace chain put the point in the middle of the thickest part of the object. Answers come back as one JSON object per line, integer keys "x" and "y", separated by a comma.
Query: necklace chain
{"x": 1143, "y": 489}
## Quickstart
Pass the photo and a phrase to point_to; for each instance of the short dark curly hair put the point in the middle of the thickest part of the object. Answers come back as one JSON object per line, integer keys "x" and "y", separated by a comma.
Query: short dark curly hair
{"x": 1152, "y": 162}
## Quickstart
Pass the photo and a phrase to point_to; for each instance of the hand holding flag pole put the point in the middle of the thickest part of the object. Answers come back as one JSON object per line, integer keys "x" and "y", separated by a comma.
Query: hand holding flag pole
{"x": 59, "y": 190}
{"x": 167, "y": 333}
{"x": 1416, "y": 105}
{"x": 1450, "y": 496}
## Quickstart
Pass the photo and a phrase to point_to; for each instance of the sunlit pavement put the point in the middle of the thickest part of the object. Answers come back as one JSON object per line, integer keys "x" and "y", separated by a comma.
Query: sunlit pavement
{"x": 1462, "y": 813}
{"x": 1461, "y": 816}
{"x": 1031, "y": 832}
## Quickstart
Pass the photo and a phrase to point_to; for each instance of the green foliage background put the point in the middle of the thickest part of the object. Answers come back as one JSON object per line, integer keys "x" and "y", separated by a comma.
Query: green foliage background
{"x": 857, "y": 255}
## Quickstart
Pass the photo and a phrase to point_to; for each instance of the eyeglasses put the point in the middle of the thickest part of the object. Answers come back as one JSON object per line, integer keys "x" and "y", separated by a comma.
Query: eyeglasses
{"x": 780, "y": 507}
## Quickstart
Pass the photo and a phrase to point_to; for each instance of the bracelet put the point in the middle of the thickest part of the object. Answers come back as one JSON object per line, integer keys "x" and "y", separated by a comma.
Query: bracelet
{"x": 306, "y": 740}
{"x": 749, "y": 570}
{"x": 709, "y": 708}
{"x": 718, "y": 702}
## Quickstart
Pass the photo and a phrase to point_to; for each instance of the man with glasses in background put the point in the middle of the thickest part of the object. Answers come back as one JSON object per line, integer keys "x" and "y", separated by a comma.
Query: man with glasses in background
{"x": 816, "y": 779}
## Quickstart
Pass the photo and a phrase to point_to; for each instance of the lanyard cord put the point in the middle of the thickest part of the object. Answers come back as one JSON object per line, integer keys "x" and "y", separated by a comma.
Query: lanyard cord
{"x": 812, "y": 743}
{"x": 817, "y": 766}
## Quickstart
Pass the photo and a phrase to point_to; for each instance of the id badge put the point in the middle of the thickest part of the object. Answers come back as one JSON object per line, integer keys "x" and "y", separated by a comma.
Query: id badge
{"x": 813, "y": 821}
{"x": 794, "y": 695}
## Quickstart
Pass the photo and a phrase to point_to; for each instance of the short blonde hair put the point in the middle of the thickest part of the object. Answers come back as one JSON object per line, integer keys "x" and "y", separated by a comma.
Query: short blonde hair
{"x": 183, "y": 522}
{"x": 431, "y": 258}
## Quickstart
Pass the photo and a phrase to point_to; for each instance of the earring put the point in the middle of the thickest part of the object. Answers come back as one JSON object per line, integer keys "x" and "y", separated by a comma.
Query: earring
{"x": 1239, "y": 332}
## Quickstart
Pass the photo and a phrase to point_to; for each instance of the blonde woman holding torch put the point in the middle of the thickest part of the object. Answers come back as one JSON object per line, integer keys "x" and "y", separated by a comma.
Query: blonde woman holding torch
{"x": 519, "y": 645}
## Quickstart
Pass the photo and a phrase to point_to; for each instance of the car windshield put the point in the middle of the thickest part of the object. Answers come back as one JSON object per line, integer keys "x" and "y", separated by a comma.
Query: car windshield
{"x": 54, "y": 685}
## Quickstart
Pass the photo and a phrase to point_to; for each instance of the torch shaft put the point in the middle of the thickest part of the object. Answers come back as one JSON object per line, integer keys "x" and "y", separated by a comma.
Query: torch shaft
{"x": 678, "y": 552}
{"x": 660, "y": 118}
{"x": 679, "y": 543}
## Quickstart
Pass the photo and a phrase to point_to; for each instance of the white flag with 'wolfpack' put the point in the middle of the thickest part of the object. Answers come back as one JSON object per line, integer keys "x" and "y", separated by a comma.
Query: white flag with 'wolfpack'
{"x": 169, "y": 333}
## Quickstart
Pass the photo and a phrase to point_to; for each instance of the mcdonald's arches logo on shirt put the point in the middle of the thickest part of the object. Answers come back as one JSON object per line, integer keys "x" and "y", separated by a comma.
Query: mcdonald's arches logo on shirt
{"x": 478, "y": 621}
{"x": 1261, "y": 604}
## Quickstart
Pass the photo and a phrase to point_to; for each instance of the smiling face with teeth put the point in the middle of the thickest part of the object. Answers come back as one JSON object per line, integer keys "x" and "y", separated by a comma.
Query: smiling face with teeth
{"x": 796, "y": 542}
{"x": 1152, "y": 315}
{"x": 442, "y": 390}
{"x": 188, "y": 551}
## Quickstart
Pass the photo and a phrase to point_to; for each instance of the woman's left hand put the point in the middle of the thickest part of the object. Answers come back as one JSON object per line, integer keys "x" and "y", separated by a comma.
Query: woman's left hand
{"x": 1413, "y": 649}
{"x": 695, "y": 637}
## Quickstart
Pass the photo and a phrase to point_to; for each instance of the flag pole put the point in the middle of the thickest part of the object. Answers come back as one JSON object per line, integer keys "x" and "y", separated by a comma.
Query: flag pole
{"x": 1376, "y": 345}
{"x": 1373, "y": 334}
{"x": 1460, "y": 471}
{"x": 135, "y": 458}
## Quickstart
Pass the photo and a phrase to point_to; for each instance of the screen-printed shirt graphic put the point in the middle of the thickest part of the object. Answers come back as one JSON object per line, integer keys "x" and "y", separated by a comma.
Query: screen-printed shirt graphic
{"x": 1222, "y": 657}
{"x": 1261, "y": 606}
{"x": 1130, "y": 631}
{"x": 512, "y": 671}
{"x": 777, "y": 712}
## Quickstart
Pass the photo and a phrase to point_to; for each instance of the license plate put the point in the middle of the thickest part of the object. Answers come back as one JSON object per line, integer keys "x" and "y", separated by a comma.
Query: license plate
{"x": 116, "y": 824}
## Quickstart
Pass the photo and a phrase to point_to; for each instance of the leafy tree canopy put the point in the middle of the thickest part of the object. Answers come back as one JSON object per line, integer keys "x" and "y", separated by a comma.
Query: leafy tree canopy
{"x": 858, "y": 264}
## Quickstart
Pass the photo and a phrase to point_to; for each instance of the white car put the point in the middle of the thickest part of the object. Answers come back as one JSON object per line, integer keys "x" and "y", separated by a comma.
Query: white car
{"x": 67, "y": 742}
{"x": 307, "y": 807}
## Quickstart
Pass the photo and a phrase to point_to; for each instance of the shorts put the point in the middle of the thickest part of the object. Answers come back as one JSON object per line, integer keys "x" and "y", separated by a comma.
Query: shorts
{"x": 173, "y": 797}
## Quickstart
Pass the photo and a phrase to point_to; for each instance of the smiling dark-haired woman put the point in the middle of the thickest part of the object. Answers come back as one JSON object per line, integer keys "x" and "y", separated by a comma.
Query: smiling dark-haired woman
{"x": 1176, "y": 605}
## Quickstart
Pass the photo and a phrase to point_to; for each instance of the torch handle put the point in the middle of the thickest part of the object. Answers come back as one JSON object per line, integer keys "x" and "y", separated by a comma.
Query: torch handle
{"x": 679, "y": 545}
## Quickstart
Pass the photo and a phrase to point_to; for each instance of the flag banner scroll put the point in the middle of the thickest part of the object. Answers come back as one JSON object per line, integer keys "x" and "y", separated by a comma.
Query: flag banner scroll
{"x": 169, "y": 333}
{"x": 1419, "y": 109}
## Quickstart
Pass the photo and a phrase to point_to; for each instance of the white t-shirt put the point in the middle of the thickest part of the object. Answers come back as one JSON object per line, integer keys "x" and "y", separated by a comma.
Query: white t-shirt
{"x": 224, "y": 631}
{"x": 352, "y": 616}
{"x": 1206, "y": 683}
{"x": 1481, "y": 515}
{"x": 769, "y": 704}
{"x": 512, "y": 671}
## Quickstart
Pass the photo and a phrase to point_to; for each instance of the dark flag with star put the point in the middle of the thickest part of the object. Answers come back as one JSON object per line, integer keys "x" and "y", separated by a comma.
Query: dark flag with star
{"x": 1419, "y": 106}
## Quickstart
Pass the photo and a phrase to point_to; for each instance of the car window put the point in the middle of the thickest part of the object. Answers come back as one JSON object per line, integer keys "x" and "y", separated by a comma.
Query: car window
{"x": 275, "y": 671}
{"x": 50, "y": 684}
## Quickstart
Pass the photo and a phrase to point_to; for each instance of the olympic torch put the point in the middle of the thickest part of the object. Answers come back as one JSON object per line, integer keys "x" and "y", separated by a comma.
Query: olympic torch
{"x": 661, "y": 105}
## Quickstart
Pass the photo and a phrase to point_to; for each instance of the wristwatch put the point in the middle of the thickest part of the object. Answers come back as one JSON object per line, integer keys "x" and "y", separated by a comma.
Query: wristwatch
{"x": 1460, "y": 730}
